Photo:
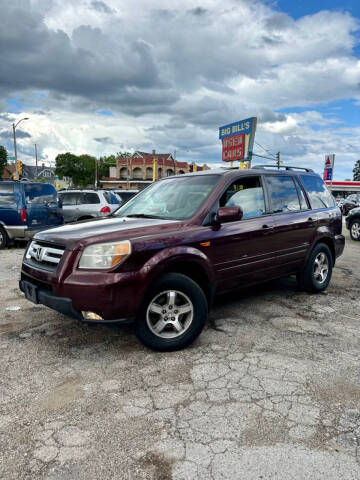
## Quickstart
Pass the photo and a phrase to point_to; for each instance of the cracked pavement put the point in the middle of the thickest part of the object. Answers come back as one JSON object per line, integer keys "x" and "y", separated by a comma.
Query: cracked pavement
{"x": 271, "y": 389}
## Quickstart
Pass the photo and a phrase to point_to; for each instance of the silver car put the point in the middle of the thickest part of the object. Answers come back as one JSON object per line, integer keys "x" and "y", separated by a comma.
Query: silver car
{"x": 86, "y": 204}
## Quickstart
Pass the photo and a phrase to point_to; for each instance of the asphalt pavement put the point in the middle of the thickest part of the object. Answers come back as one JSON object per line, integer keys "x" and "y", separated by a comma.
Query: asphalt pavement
{"x": 271, "y": 389}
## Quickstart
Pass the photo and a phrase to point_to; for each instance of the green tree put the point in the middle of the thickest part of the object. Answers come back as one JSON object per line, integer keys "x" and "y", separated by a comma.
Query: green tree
{"x": 356, "y": 171}
{"x": 80, "y": 168}
{"x": 3, "y": 160}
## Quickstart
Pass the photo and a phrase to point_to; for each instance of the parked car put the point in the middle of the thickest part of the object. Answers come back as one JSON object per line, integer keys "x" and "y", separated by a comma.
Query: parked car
{"x": 353, "y": 223}
{"x": 340, "y": 203}
{"x": 164, "y": 255}
{"x": 350, "y": 202}
{"x": 27, "y": 208}
{"x": 87, "y": 204}
{"x": 125, "y": 195}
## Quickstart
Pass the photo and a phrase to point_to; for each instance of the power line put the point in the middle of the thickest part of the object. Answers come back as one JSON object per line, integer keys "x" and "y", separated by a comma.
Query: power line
{"x": 265, "y": 150}
{"x": 262, "y": 156}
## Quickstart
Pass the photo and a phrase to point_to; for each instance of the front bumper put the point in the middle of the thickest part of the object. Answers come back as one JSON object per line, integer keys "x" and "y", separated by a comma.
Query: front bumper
{"x": 339, "y": 245}
{"x": 63, "y": 305}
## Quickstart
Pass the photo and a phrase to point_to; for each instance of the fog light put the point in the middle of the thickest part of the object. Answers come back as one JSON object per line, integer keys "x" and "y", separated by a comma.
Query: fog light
{"x": 91, "y": 316}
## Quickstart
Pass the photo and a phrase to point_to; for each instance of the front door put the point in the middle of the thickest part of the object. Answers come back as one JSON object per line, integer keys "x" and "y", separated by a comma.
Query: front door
{"x": 242, "y": 252}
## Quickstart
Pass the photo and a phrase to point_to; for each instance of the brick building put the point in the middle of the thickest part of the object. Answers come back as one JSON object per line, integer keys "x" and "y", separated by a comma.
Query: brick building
{"x": 136, "y": 172}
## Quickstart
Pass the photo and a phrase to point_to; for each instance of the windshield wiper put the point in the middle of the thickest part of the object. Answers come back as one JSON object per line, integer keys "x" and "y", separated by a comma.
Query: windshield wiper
{"x": 143, "y": 215}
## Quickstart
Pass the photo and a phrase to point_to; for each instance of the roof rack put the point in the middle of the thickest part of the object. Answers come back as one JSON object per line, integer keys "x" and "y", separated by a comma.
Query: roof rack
{"x": 285, "y": 167}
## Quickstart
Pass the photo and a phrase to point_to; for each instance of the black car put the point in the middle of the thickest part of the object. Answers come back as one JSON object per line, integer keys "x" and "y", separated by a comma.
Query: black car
{"x": 351, "y": 201}
{"x": 353, "y": 223}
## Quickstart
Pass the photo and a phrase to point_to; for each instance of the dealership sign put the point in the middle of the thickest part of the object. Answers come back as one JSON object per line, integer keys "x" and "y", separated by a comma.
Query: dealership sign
{"x": 329, "y": 166}
{"x": 238, "y": 140}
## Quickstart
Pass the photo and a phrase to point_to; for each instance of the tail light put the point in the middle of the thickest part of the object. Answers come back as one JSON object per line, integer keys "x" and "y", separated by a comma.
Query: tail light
{"x": 23, "y": 217}
{"x": 105, "y": 209}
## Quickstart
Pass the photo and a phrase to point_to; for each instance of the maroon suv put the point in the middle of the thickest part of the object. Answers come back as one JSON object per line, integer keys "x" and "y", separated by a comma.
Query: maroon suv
{"x": 160, "y": 259}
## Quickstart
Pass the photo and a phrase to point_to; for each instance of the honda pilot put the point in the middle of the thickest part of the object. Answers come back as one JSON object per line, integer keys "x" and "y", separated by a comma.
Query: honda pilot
{"x": 161, "y": 258}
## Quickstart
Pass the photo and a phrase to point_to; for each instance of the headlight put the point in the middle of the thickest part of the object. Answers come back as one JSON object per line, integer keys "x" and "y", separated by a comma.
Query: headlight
{"x": 104, "y": 255}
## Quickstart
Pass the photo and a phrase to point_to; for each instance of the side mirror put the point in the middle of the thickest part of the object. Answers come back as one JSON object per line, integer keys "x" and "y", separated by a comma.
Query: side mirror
{"x": 229, "y": 214}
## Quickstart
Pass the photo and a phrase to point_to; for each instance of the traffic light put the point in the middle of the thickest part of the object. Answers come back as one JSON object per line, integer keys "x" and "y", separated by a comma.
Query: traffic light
{"x": 278, "y": 161}
{"x": 19, "y": 167}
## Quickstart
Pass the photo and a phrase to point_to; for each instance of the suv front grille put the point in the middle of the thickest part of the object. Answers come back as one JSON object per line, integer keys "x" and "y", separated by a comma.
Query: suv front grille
{"x": 44, "y": 255}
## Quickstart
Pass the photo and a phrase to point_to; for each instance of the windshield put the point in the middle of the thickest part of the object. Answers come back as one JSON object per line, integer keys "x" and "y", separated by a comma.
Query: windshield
{"x": 173, "y": 199}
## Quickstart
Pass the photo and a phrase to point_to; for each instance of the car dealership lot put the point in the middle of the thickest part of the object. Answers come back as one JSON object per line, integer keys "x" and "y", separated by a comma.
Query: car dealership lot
{"x": 270, "y": 389}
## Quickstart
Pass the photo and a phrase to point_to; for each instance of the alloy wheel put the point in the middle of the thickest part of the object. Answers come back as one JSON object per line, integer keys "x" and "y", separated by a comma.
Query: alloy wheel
{"x": 321, "y": 267}
{"x": 169, "y": 314}
{"x": 355, "y": 230}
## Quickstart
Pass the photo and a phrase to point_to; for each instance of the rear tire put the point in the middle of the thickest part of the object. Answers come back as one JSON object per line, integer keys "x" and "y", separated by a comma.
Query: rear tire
{"x": 316, "y": 275}
{"x": 4, "y": 239}
{"x": 173, "y": 313}
{"x": 355, "y": 230}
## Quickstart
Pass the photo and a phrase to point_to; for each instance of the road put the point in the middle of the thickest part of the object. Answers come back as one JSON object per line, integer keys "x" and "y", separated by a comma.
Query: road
{"x": 271, "y": 390}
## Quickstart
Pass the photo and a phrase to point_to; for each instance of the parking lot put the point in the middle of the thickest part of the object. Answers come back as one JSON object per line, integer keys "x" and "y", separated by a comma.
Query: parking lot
{"x": 270, "y": 390}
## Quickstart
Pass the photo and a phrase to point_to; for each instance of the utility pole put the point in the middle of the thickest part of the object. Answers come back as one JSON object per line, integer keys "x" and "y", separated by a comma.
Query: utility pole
{"x": 14, "y": 125}
{"x": 96, "y": 173}
{"x": 36, "y": 161}
{"x": 175, "y": 162}
{"x": 278, "y": 161}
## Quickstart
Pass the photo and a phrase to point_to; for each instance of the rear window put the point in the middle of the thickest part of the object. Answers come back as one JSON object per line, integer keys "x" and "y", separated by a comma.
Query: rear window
{"x": 111, "y": 198}
{"x": 283, "y": 194}
{"x": 7, "y": 196}
{"x": 319, "y": 195}
{"x": 70, "y": 198}
{"x": 89, "y": 198}
{"x": 40, "y": 193}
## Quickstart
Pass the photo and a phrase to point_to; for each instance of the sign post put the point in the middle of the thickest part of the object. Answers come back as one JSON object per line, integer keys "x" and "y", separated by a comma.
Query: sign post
{"x": 238, "y": 141}
{"x": 329, "y": 167}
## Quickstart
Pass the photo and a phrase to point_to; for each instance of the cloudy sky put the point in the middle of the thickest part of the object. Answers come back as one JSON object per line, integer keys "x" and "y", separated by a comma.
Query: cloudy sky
{"x": 99, "y": 76}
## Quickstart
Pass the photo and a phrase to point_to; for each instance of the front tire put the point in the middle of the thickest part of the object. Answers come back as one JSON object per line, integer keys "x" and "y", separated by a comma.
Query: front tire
{"x": 355, "y": 230}
{"x": 173, "y": 313}
{"x": 4, "y": 239}
{"x": 316, "y": 275}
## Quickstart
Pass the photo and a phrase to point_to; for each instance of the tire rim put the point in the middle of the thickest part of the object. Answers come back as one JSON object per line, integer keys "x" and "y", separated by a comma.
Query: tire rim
{"x": 355, "y": 230}
{"x": 169, "y": 314}
{"x": 1, "y": 237}
{"x": 321, "y": 267}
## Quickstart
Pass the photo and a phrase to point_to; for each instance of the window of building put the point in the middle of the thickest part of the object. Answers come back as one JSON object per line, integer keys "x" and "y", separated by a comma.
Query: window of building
{"x": 246, "y": 193}
{"x": 137, "y": 173}
{"x": 169, "y": 172}
{"x": 283, "y": 194}
{"x": 320, "y": 197}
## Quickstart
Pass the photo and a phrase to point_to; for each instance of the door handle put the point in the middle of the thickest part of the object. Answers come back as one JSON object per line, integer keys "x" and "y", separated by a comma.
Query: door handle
{"x": 267, "y": 229}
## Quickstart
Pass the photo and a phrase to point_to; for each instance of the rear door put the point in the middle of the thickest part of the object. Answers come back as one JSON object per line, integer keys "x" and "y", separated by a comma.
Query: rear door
{"x": 42, "y": 205}
{"x": 70, "y": 202}
{"x": 89, "y": 205}
{"x": 294, "y": 222}
{"x": 9, "y": 204}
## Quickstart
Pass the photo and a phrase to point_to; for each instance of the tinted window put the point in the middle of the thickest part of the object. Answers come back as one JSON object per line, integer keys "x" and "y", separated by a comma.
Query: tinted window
{"x": 39, "y": 193}
{"x": 111, "y": 198}
{"x": 69, "y": 198}
{"x": 319, "y": 195}
{"x": 246, "y": 193}
{"x": 87, "y": 198}
{"x": 7, "y": 196}
{"x": 283, "y": 194}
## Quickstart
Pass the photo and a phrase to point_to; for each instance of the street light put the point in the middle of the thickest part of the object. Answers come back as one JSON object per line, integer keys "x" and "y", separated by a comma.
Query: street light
{"x": 14, "y": 128}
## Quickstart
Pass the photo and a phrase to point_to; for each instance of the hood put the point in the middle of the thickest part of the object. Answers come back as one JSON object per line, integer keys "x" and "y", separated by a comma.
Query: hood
{"x": 76, "y": 235}
{"x": 355, "y": 210}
